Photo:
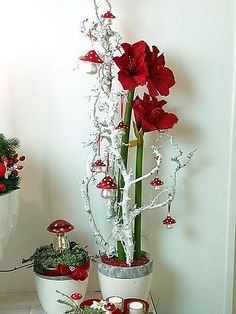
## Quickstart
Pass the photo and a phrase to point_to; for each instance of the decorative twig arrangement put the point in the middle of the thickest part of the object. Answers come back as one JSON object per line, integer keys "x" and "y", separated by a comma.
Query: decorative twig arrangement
{"x": 109, "y": 139}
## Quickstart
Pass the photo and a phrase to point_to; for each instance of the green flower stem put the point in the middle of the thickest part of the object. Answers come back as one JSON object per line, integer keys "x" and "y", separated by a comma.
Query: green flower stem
{"x": 124, "y": 155}
{"x": 138, "y": 201}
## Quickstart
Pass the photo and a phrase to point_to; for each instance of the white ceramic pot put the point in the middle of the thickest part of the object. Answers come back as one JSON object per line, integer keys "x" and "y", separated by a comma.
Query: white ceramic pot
{"x": 46, "y": 289}
{"x": 126, "y": 282}
{"x": 9, "y": 206}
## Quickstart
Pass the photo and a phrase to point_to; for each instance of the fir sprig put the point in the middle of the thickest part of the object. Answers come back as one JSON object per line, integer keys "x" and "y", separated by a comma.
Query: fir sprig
{"x": 8, "y": 147}
{"x": 46, "y": 257}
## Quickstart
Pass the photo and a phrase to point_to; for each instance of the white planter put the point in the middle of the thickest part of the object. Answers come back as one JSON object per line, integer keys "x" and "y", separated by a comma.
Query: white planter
{"x": 46, "y": 289}
{"x": 9, "y": 206}
{"x": 126, "y": 282}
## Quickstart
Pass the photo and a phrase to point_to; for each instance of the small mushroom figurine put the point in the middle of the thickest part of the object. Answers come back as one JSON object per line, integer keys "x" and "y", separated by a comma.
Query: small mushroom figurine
{"x": 169, "y": 222}
{"x": 108, "y": 17}
{"x": 109, "y": 308}
{"x": 76, "y": 297}
{"x": 108, "y": 186}
{"x": 121, "y": 126}
{"x": 60, "y": 227}
{"x": 156, "y": 183}
{"x": 90, "y": 62}
{"x": 98, "y": 165}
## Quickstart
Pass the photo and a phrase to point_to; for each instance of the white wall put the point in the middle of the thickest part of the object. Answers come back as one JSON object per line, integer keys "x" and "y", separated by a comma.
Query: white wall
{"x": 42, "y": 102}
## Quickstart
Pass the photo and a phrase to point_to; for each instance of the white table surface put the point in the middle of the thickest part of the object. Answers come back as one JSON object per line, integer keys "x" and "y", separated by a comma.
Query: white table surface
{"x": 27, "y": 303}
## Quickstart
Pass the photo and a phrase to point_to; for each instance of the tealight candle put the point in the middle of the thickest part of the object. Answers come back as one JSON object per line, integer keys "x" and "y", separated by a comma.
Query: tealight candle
{"x": 117, "y": 301}
{"x": 136, "y": 307}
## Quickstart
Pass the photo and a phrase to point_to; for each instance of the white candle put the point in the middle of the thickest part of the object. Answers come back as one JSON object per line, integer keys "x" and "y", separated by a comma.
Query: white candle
{"x": 136, "y": 307}
{"x": 117, "y": 301}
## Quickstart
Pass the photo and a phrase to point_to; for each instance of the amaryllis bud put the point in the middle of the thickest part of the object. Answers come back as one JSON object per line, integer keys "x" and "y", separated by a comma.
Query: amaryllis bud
{"x": 22, "y": 158}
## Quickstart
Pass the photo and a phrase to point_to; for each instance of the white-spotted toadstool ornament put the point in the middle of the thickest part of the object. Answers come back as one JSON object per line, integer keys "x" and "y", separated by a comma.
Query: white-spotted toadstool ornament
{"x": 98, "y": 166}
{"x": 76, "y": 297}
{"x": 90, "y": 62}
{"x": 121, "y": 126}
{"x": 107, "y": 185}
{"x": 108, "y": 17}
{"x": 157, "y": 183}
{"x": 109, "y": 308}
{"x": 169, "y": 222}
{"x": 60, "y": 227}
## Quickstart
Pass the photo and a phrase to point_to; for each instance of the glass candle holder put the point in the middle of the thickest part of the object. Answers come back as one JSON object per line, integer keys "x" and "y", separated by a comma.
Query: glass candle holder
{"x": 136, "y": 307}
{"x": 117, "y": 301}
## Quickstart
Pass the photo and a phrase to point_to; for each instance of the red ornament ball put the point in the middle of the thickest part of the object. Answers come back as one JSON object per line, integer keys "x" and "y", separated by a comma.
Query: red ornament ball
{"x": 2, "y": 169}
{"x": 2, "y": 187}
{"x": 76, "y": 296}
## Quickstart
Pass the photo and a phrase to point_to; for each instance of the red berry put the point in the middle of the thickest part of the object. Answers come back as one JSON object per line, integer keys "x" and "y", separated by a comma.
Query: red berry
{"x": 22, "y": 158}
{"x": 20, "y": 167}
{"x": 16, "y": 155}
{"x": 15, "y": 173}
{"x": 2, "y": 187}
{"x": 10, "y": 162}
{"x": 15, "y": 160}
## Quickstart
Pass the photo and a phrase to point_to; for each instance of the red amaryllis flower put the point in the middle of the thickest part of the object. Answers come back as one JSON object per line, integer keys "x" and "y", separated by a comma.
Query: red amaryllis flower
{"x": 160, "y": 78}
{"x": 150, "y": 116}
{"x": 132, "y": 65}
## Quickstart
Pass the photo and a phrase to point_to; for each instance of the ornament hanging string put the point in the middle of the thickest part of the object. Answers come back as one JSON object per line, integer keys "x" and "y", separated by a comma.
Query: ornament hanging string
{"x": 99, "y": 144}
{"x": 107, "y": 168}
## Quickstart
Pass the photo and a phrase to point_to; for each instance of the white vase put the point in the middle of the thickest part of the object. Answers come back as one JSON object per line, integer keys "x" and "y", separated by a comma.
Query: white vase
{"x": 9, "y": 206}
{"x": 46, "y": 289}
{"x": 126, "y": 282}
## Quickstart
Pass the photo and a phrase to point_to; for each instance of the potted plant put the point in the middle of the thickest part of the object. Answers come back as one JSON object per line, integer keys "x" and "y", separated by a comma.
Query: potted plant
{"x": 10, "y": 166}
{"x": 124, "y": 269}
{"x": 62, "y": 265}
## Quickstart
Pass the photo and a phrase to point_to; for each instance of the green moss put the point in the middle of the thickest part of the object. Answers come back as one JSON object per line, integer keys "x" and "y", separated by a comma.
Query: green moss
{"x": 46, "y": 257}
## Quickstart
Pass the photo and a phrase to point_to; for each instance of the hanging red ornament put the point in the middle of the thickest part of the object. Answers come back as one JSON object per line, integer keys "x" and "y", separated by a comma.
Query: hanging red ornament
{"x": 2, "y": 169}
{"x": 108, "y": 186}
{"x": 98, "y": 166}
{"x": 108, "y": 17}
{"x": 169, "y": 221}
{"x": 90, "y": 60}
{"x": 2, "y": 187}
{"x": 156, "y": 183}
{"x": 122, "y": 126}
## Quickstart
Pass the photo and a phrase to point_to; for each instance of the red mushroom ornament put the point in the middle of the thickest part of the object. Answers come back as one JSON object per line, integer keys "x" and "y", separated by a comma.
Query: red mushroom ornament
{"x": 156, "y": 183}
{"x": 169, "y": 222}
{"x": 121, "y": 126}
{"x": 98, "y": 166}
{"x": 108, "y": 186}
{"x": 76, "y": 297}
{"x": 60, "y": 227}
{"x": 90, "y": 62}
{"x": 108, "y": 17}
